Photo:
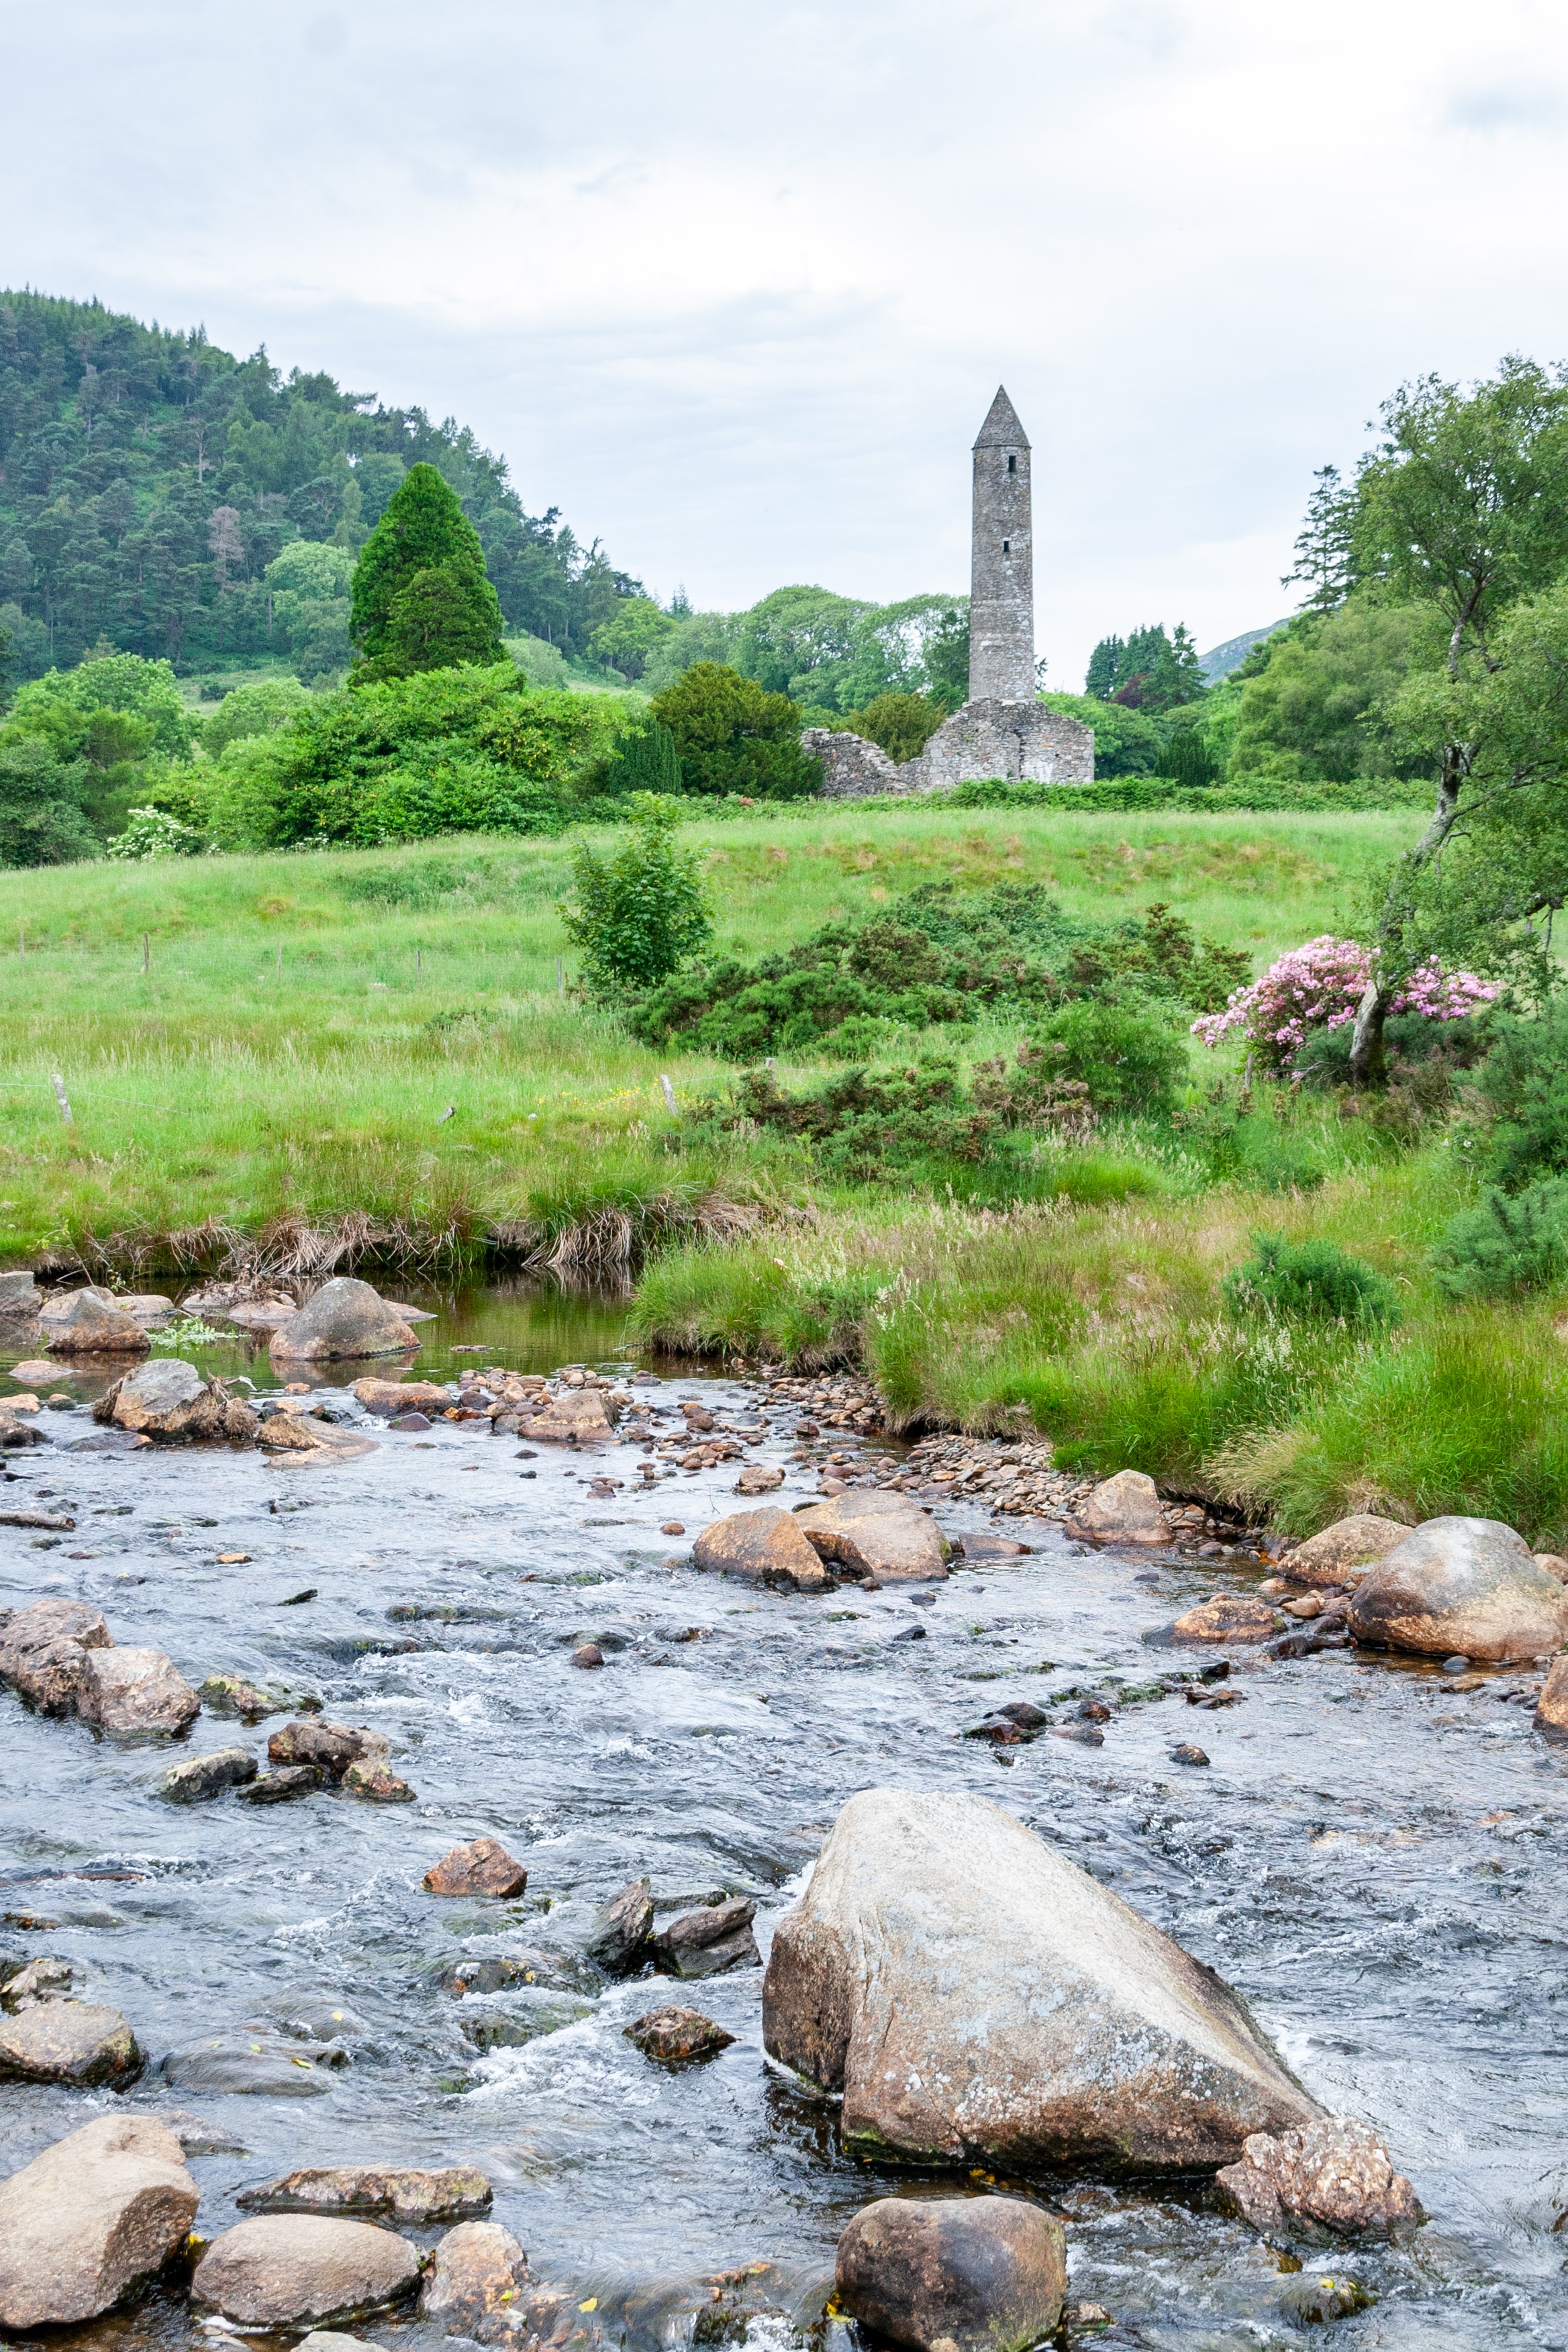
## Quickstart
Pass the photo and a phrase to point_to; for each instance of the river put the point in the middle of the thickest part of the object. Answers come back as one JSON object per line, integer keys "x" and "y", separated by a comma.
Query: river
{"x": 1373, "y": 1859}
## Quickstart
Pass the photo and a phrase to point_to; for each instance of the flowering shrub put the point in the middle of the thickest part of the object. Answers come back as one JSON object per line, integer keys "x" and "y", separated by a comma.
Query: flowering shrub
{"x": 1319, "y": 986}
{"x": 152, "y": 833}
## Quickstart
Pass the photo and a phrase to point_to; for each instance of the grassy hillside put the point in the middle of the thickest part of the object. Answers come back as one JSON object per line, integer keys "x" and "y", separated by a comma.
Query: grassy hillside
{"x": 305, "y": 1021}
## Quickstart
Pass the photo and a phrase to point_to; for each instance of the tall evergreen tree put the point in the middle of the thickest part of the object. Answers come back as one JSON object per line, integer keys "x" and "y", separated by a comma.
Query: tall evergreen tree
{"x": 1104, "y": 674}
{"x": 1325, "y": 561}
{"x": 424, "y": 530}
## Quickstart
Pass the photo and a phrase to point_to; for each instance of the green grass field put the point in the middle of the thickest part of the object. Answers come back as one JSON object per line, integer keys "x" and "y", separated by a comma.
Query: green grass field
{"x": 303, "y": 1022}
{"x": 372, "y": 1046}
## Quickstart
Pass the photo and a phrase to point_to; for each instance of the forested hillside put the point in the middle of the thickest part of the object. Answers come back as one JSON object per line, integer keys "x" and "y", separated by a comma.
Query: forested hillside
{"x": 150, "y": 483}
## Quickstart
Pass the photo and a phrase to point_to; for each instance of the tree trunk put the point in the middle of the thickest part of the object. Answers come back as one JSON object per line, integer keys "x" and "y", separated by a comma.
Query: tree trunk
{"x": 1367, "y": 1057}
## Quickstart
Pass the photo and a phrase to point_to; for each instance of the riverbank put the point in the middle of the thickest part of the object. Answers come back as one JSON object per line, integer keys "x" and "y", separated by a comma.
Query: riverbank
{"x": 1107, "y": 1327}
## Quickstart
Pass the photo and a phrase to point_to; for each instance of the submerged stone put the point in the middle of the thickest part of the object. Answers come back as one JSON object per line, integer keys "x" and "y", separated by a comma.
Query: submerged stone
{"x": 953, "y": 2274}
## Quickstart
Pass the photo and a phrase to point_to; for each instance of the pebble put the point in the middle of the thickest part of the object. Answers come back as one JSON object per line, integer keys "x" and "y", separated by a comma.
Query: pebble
{"x": 589, "y": 1655}
{"x": 1185, "y": 1752}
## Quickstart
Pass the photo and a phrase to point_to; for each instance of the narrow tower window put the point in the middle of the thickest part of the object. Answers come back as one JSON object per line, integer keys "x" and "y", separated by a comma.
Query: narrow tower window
{"x": 1006, "y": 546}
{"x": 1012, "y": 465}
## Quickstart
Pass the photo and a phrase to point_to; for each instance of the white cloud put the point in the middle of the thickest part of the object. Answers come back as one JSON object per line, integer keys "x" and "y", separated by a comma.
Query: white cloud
{"x": 733, "y": 285}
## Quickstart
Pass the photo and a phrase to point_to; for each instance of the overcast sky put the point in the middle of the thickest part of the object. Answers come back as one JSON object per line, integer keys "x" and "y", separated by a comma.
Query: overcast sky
{"x": 733, "y": 285}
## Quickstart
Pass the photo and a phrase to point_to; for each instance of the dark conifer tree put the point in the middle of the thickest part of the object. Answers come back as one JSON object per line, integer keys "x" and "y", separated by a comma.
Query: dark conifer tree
{"x": 424, "y": 530}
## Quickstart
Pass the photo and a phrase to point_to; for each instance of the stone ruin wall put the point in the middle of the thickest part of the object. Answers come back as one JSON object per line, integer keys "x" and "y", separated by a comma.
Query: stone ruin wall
{"x": 1013, "y": 741}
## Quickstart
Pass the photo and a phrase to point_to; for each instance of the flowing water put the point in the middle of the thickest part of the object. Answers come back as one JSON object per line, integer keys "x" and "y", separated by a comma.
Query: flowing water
{"x": 1374, "y": 1859}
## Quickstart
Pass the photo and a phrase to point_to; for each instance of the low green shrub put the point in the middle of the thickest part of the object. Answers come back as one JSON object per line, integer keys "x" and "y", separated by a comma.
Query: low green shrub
{"x": 1126, "y": 1055}
{"x": 447, "y": 750}
{"x": 1123, "y": 794}
{"x": 1523, "y": 1083}
{"x": 643, "y": 911}
{"x": 939, "y": 955}
{"x": 1508, "y": 1243}
{"x": 1309, "y": 1278}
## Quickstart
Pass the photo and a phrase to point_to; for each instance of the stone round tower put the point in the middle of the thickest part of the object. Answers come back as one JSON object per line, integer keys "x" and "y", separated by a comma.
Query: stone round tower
{"x": 1002, "y": 567}
{"x": 1003, "y": 729}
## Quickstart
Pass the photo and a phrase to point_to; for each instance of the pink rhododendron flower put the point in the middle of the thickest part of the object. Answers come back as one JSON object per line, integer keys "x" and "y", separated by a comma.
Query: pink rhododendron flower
{"x": 1319, "y": 986}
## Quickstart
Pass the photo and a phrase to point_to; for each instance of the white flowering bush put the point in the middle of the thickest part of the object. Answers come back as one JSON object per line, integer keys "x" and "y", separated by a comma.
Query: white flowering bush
{"x": 152, "y": 833}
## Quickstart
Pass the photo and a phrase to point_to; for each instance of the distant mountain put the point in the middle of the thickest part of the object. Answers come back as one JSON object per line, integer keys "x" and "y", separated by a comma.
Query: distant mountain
{"x": 1233, "y": 653}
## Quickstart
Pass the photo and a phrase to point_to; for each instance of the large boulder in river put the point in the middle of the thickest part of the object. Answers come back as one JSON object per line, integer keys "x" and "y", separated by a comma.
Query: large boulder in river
{"x": 1125, "y": 1509}
{"x": 197, "y": 1778}
{"x": 1461, "y": 1587}
{"x": 90, "y": 2219}
{"x": 303, "y": 2270}
{"x": 885, "y": 1537}
{"x": 298, "y": 1436}
{"x": 1342, "y": 1553}
{"x": 575, "y": 1417}
{"x": 483, "y": 1867}
{"x": 344, "y": 1317}
{"x": 135, "y": 1689}
{"x": 953, "y": 2274}
{"x": 977, "y": 1998}
{"x": 170, "y": 1399}
{"x": 765, "y": 1547}
{"x": 77, "y": 2043}
{"x": 453, "y": 2193}
{"x": 89, "y": 1323}
{"x": 44, "y": 1650}
{"x": 1227, "y": 1617}
{"x": 475, "y": 2278}
{"x": 703, "y": 1942}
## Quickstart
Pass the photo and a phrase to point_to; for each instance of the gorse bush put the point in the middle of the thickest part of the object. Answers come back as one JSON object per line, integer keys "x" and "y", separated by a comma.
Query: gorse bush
{"x": 1523, "y": 1084}
{"x": 640, "y": 913}
{"x": 1508, "y": 1243}
{"x": 1313, "y": 1278}
{"x": 1128, "y": 1056}
{"x": 915, "y": 1118}
{"x": 942, "y": 956}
